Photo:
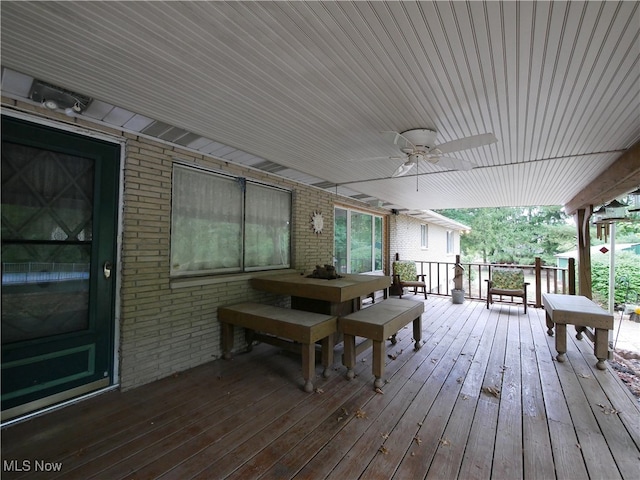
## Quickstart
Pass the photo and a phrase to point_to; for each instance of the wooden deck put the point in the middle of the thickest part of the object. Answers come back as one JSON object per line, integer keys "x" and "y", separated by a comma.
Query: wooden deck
{"x": 436, "y": 418}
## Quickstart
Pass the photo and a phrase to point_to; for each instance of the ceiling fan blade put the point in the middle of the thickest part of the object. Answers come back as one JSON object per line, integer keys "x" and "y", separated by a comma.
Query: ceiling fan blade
{"x": 465, "y": 143}
{"x": 369, "y": 159}
{"x": 398, "y": 139}
{"x": 453, "y": 163}
{"x": 403, "y": 169}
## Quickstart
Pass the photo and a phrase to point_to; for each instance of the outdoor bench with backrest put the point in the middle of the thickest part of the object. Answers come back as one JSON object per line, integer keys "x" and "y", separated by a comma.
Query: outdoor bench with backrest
{"x": 508, "y": 282}
{"x": 379, "y": 322}
{"x": 306, "y": 328}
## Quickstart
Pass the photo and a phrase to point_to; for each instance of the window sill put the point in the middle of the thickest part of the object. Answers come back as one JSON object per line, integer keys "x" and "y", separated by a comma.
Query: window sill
{"x": 187, "y": 282}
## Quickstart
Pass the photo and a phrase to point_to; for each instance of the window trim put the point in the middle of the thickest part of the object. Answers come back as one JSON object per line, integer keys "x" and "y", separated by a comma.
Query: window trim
{"x": 424, "y": 236}
{"x": 451, "y": 242}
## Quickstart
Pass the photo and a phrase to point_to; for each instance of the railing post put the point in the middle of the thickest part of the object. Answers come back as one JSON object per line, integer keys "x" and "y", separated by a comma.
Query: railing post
{"x": 538, "y": 269}
{"x": 572, "y": 276}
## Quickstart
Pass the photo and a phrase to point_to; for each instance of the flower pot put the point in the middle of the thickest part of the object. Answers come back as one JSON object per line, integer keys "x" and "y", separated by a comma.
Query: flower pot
{"x": 457, "y": 296}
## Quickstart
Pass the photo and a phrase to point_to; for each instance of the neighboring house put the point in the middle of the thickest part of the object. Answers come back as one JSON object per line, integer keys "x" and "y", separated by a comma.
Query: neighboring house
{"x": 562, "y": 259}
{"x": 431, "y": 238}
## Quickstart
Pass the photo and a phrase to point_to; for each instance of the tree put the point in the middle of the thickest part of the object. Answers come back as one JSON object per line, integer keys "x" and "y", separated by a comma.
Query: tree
{"x": 514, "y": 234}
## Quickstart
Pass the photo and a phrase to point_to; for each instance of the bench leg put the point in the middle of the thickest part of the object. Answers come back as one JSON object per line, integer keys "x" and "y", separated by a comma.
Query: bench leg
{"x": 327, "y": 354}
{"x": 227, "y": 340}
{"x": 561, "y": 341}
{"x": 308, "y": 365}
{"x": 349, "y": 355}
{"x": 378, "y": 363}
{"x": 601, "y": 347}
{"x": 417, "y": 332}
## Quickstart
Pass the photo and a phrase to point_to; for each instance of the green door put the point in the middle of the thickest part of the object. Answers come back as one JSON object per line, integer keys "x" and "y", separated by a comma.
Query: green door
{"x": 59, "y": 226}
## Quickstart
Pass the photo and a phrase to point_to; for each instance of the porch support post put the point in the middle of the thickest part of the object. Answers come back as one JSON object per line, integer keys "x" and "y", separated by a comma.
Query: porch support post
{"x": 572, "y": 276}
{"x": 582, "y": 216}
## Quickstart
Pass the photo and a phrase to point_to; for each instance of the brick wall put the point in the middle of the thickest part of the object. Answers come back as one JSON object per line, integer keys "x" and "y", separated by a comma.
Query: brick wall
{"x": 166, "y": 325}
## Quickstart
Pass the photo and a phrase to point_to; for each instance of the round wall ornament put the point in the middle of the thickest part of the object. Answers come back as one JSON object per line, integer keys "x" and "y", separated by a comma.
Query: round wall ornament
{"x": 317, "y": 222}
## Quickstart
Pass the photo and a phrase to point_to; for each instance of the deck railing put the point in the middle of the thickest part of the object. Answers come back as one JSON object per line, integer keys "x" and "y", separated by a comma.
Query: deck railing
{"x": 541, "y": 278}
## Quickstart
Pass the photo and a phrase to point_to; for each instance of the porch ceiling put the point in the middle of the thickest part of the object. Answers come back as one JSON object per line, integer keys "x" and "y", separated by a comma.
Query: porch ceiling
{"x": 304, "y": 89}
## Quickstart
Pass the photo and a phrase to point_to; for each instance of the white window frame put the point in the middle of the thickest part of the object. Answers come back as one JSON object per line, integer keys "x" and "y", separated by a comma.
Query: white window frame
{"x": 451, "y": 242}
{"x": 373, "y": 238}
{"x": 424, "y": 236}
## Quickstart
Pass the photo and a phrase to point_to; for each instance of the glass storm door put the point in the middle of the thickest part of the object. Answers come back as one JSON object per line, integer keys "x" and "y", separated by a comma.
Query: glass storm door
{"x": 59, "y": 218}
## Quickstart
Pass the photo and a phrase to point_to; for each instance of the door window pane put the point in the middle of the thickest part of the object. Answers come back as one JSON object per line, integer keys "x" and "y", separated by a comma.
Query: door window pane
{"x": 340, "y": 240}
{"x": 47, "y": 210}
{"x": 378, "y": 243}
{"x": 358, "y": 241}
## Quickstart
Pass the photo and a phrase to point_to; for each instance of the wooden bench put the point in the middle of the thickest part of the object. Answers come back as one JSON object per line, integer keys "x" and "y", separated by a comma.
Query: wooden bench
{"x": 582, "y": 312}
{"x": 304, "y": 327}
{"x": 378, "y": 323}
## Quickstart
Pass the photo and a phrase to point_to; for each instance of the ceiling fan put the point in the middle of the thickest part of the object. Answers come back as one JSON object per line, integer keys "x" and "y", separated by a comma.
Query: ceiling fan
{"x": 419, "y": 144}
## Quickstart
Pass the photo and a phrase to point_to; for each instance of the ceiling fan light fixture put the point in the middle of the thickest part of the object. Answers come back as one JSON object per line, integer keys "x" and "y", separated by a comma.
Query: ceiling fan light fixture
{"x": 403, "y": 169}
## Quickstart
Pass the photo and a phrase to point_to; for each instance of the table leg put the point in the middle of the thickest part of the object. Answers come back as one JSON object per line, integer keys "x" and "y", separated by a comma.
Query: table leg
{"x": 561, "y": 341}
{"x": 378, "y": 363}
{"x": 417, "y": 332}
{"x": 601, "y": 347}
{"x": 227, "y": 340}
{"x": 308, "y": 365}
{"x": 349, "y": 355}
{"x": 327, "y": 354}
{"x": 549, "y": 325}
{"x": 579, "y": 331}
{"x": 249, "y": 336}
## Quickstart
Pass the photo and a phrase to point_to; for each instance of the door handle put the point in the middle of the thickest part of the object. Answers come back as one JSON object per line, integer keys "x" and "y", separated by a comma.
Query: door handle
{"x": 106, "y": 269}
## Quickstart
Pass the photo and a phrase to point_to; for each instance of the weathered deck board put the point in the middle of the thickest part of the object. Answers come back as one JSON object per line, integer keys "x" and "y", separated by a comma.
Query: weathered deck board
{"x": 248, "y": 418}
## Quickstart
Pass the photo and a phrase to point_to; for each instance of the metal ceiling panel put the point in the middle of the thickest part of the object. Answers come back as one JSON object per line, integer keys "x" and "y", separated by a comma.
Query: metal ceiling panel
{"x": 310, "y": 86}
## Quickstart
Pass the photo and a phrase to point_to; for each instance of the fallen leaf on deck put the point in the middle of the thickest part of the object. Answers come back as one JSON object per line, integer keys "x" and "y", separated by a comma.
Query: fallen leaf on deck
{"x": 345, "y": 411}
{"x": 360, "y": 414}
{"x": 608, "y": 410}
{"x": 459, "y": 379}
{"x": 444, "y": 442}
{"x": 384, "y": 435}
{"x": 383, "y": 450}
{"x": 434, "y": 360}
{"x": 319, "y": 390}
{"x": 364, "y": 360}
{"x": 491, "y": 391}
{"x": 419, "y": 424}
{"x": 379, "y": 390}
{"x": 584, "y": 375}
{"x": 417, "y": 440}
{"x": 465, "y": 397}
{"x": 392, "y": 357}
